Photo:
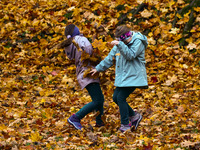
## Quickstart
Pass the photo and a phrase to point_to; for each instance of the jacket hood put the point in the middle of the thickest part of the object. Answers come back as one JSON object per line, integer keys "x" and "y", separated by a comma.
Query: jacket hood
{"x": 138, "y": 35}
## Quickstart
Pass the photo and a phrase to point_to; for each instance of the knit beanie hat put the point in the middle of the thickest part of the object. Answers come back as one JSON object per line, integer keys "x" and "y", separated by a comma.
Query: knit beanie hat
{"x": 71, "y": 30}
{"x": 121, "y": 30}
{"x": 76, "y": 31}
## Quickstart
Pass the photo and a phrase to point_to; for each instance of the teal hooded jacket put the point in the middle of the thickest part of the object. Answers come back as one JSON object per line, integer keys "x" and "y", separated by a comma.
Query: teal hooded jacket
{"x": 130, "y": 70}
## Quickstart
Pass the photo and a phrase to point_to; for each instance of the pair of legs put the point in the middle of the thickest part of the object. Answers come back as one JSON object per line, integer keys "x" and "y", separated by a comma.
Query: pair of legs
{"x": 97, "y": 97}
{"x": 119, "y": 97}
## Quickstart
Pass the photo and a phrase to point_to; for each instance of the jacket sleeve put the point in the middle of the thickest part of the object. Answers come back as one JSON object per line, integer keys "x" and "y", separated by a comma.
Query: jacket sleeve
{"x": 133, "y": 51}
{"x": 108, "y": 61}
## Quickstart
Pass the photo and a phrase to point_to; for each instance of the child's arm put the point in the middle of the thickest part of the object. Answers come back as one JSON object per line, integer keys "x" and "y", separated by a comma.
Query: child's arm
{"x": 133, "y": 51}
{"x": 107, "y": 62}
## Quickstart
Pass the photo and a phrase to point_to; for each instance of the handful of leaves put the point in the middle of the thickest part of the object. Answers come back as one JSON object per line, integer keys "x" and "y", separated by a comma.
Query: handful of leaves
{"x": 86, "y": 59}
{"x": 88, "y": 74}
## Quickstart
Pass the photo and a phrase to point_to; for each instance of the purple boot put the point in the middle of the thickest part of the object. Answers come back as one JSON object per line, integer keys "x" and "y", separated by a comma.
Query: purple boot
{"x": 124, "y": 127}
{"x": 75, "y": 121}
{"x": 135, "y": 120}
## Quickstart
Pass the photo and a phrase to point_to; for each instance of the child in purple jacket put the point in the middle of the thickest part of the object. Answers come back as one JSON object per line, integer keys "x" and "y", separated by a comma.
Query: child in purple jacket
{"x": 92, "y": 85}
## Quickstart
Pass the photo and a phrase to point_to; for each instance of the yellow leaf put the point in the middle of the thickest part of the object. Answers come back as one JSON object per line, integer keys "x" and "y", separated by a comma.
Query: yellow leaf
{"x": 77, "y": 46}
{"x": 72, "y": 109}
{"x": 60, "y": 13}
{"x": 164, "y": 10}
{"x": 66, "y": 79}
{"x": 85, "y": 56}
{"x": 154, "y": 117}
{"x": 71, "y": 8}
{"x": 197, "y": 9}
{"x": 24, "y": 22}
{"x": 146, "y": 14}
{"x": 180, "y": 110}
{"x": 151, "y": 41}
{"x": 43, "y": 42}
{"x": 140, "y": 1}
{"x": 48, "y": 113}
{"x": 99, "y": 44}
{"x": 174, "y": 78}
{"x": 117, "y": 54}
{"x": 35, "y": 137}
{"x": 6, "y": 17}
{"x": 171, "y": 3}
{"x": 176, "y": 95}
{"x": 161, "y": 41}
{"x": 43, "y": 100}
{"x": 185, "y": 66}
{"x": 3, "y": 31}
{"x": 3, "y": 127}
{"x": 187, "y": 143}
{"x": 46, "y": 69}
{"x": 76, "y": 11}
{"x": 130, "y": 16}
{"x": 24, "y": 71}
{"x": 174, "y": 30}
{"x": 180, "y": 2}
{"x": 184, "y": 126}
{"x": 60, "y": 124}
{"x": 35, "y": 22}
{"x": 42, "y": 93}
{"x": 48, "y": 145}
{"x": 93, "y": 59}
{"x": 179, "y": 16}
{"x": 150, "y": 34}
{"x": 192, "y": 46}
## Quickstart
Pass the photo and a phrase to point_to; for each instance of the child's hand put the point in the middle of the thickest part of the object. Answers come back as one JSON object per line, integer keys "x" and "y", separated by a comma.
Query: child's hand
{"x": 93, "y": 71}
{"x": 109, "y": 45}
{"x": 115, "y": 42}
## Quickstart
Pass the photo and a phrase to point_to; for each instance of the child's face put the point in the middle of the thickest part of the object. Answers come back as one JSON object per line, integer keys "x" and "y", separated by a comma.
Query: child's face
{"x": 128, "y": 40}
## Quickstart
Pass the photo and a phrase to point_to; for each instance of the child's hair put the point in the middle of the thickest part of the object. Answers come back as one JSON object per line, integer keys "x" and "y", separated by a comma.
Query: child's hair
{"x": 69, "y": 29}
{"x": 120, "y": 30}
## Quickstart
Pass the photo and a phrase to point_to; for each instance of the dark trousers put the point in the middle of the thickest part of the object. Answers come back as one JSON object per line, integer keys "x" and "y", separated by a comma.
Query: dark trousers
{"x": 119, "y": 97}
{"x": 95, "y": 92}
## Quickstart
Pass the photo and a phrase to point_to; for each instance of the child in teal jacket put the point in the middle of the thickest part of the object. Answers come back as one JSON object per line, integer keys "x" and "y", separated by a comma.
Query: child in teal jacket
{"x": 130, "y": 71}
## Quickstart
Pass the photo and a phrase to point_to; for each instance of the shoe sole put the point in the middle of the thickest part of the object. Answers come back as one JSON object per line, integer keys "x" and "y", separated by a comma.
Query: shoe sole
{"x": 124, "y": 130}
{"x": 72, "y": 124}
{"x": 138, "y": 122}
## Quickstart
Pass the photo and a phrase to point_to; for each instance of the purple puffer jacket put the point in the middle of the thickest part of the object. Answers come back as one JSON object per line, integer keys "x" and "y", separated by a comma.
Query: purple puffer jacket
{"x": 73, "y": 53}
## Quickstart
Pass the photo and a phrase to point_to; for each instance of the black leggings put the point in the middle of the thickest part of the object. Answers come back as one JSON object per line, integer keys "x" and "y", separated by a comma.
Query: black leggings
{"x": 119, "y": 97}
{"x": 95, "y": 92}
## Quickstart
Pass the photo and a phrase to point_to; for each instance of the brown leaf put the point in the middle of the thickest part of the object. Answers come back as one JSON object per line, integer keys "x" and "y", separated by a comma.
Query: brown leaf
{"x": 180, "y": 109}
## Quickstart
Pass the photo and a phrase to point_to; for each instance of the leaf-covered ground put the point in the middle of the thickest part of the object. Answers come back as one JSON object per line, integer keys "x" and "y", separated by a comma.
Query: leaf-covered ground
{"x": 39, "y": 91}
